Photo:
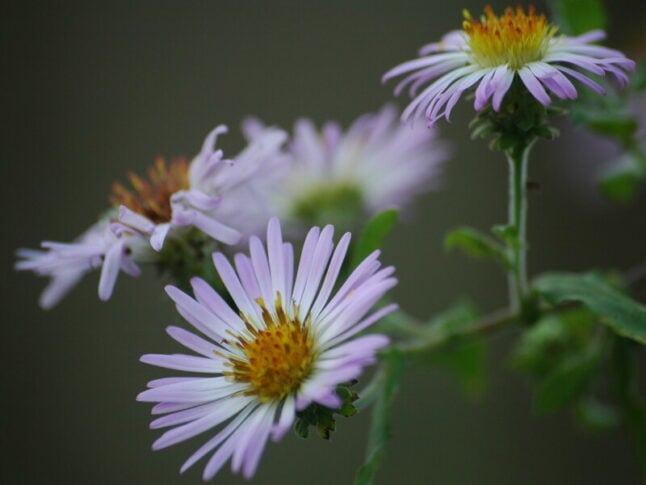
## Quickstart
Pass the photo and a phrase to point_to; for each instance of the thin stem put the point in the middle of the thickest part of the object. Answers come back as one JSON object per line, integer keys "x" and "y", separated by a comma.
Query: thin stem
{"x": 435, "y": 337}
{"x": 517, "y": 275}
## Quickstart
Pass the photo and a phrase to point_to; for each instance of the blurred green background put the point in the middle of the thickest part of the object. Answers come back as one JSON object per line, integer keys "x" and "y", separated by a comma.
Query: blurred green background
{"x": 90, "y": 91}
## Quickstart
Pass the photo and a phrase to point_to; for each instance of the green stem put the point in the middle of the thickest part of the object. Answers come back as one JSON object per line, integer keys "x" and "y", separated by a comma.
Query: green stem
{"x": 436, "y": 338}
{"x": 380, "y": 427}
{"x": 517, "y": 275}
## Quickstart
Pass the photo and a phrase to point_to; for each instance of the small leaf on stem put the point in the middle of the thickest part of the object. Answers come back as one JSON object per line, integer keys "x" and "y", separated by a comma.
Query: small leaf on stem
{"x": 475, "y": 244}
{"x": 619, "y": 312}
{"x": 373, "y": 235}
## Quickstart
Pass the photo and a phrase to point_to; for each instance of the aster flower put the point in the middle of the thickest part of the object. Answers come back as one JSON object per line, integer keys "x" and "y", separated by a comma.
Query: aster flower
{"x": 67, "y": 263}
{"x": 375, "y": 164}
{"x": 288, "y": 344}
{"x": 494, "y": 51}
{"x": 201, "y": 194}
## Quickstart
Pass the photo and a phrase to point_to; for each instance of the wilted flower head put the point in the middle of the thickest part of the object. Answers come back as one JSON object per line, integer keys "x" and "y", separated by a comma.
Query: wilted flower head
{"x": 97, "y": 248}
{"x": 335, "y": 175}
{"x": 492, "y": 52}
{"x": 289, "y": 343}
{"x": 201, "y": 194}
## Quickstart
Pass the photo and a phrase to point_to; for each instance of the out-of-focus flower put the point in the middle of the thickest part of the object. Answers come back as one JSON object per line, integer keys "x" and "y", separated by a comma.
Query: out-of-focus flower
{"x": 334, "y": 176}
{"x": 212, "y": 194}
{"x": 289, "y": 343}
{"x": 492, "y": 51}
{"x": 66, "y": 263}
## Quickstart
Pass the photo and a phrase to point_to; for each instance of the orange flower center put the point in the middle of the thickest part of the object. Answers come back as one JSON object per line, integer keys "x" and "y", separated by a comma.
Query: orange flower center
{"x": 277, "y": 359}
{"x": 515, "y": 38}
{"x": 151, "y": 197}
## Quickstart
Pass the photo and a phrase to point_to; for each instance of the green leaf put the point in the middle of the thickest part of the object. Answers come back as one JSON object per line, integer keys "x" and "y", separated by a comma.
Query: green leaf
{"x": 579, "y": 16}
{"x": 619, "y": 186}
{"x": 507, "y": 233}
{"x": 566, "y": 383}
{"x": 552, "y": 339}
{"x": 454, "y": 320}
{"x": 466, "y": 359}
{"x": 380, "y": 428}
{"x": 596, "y": 415}
{"x": 621, "y": 181}
{"x": 374, "y": 235}
{"x": 621, "y": 126}
{"x": 627, "y": 388}
{"x": 622, "y": 314}
{"x": 475, "y": 244}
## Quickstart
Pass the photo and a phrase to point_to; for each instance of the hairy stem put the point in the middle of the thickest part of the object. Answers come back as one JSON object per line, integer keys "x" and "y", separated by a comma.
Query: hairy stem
{"x": 517, "y": 249}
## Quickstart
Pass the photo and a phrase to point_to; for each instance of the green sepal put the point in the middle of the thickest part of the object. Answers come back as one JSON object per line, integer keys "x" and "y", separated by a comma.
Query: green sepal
{"x": 481, "y": 128}
{"x": 623, "y": 315}
{"x": 322, "y": 417}
{"x": 520, "y": 120}
{"x": 188, "y": 255}
{"x": 476, "y": 244}
{"x": 547, "y": 132}
{"x": 373, "y": 235}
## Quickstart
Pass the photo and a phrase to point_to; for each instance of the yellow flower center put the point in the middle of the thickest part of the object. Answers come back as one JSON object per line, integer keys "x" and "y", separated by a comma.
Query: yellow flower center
{"x": 515, "y": 38}
{"x": 277, "y": 359}
{"x": 151, "y": 198}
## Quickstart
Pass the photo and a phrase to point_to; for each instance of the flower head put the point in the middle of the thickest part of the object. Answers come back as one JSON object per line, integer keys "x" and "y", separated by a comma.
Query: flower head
{"x": 201, "y": 194}
{"x": 67, "y": 263}
{"x": 289, "y": 343}
{"x": 375, "y": 164}
{"x": 151, "y": 197}
{"x": 492, "y": 51}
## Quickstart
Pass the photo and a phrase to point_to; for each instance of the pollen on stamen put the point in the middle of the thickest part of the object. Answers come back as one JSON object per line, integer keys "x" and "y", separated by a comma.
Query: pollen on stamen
{"x": 277, "y": 358}
{"x": 150, "y": 196}
{"x": 515, "y": 38}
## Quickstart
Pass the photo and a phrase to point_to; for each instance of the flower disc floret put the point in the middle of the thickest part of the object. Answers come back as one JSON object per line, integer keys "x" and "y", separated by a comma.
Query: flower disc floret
{"x": 276, "y": 359}
{"x": 151, "y": 197}
{"x": 515, "y": 38}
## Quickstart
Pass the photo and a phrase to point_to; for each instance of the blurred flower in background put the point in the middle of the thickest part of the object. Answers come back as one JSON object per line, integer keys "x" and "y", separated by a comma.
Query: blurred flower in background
{"x": 342, "y": 177}
{"x": 97, "y": 248}
{"x": 197, "y": 207}
{"x": 193, "y": 195}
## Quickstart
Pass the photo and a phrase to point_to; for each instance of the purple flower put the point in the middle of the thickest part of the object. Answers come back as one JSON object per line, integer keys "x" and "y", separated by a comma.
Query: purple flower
{"x": 288, "y": 343}
{"x": 216, "y": 195}
{"x": 67, "y": 263}
{"x": 492, "y": 51}
{"x": 376, "y": 162}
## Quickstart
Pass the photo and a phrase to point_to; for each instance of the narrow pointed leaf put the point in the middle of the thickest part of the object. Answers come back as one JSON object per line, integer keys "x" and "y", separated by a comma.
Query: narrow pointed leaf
{"x": 380, "y": 428}
{"x": 373, "y": 235}
{"x": 622, "y": 314}
{"x": 475, "y": 244}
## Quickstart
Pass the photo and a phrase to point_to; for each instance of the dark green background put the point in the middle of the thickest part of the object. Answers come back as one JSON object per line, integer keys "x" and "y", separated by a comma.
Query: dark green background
{"x": 91, "y": 91}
